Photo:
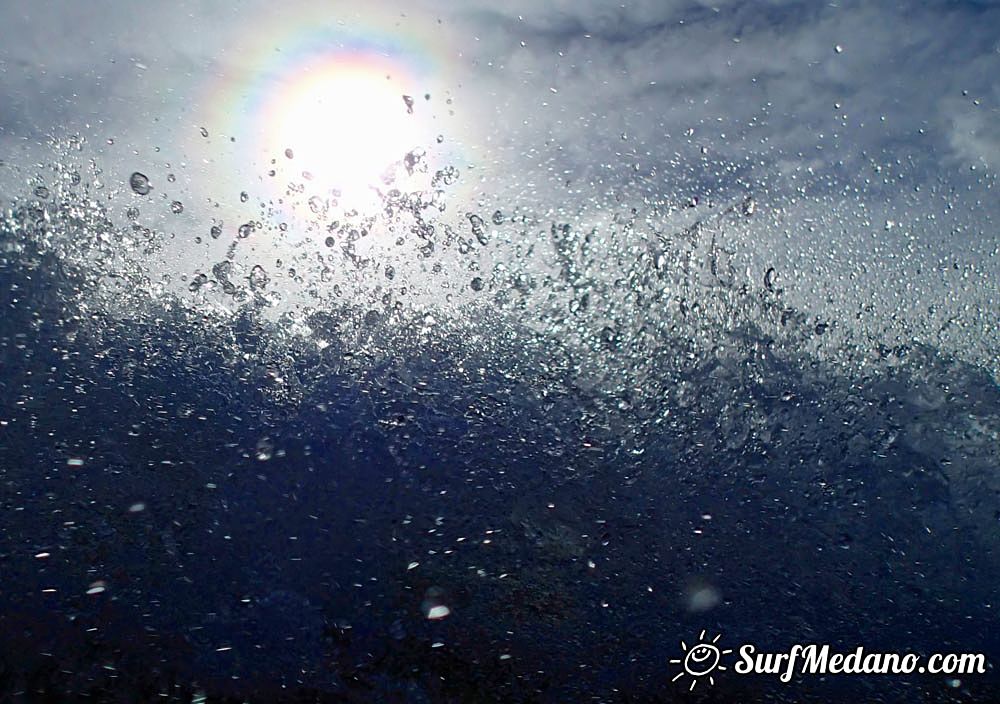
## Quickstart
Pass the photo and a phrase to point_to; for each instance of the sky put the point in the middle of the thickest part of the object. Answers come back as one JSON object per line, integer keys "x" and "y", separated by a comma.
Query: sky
{"x": 562, "y": 79}
{"x": 869, "y": 132}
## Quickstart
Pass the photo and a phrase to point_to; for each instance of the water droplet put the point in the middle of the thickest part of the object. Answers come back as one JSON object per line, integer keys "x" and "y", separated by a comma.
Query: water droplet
{"x": 197, "y": 282}
{"x": 177, "y": 207}
{"x": 139, "y": 184}
{"x": 289, "y": 154}
{"x": 171, "y": 178}
{"x": 409, "y": 104}
{"x": 438, "y": 612}
{"x": 258, "y": 278}
{"x": 132, "y": 213}
{"x": 702, "y": 597}
{"x": 265, "y": 449}
{"x": 478, "y": 228}
{"x": 244, "y": 196}
{"x": 839, "y": 49}
{"x": 215, "y": 232}
{"x": 41, "y": 192}
{"x": 245, "y": 230}
{"x": 446, "y": 176}
{"x": 476, "y": 284}
{"x": 769, "y": 277}
{"x": 390, "y": 272}
{"x": 204, "y": 132}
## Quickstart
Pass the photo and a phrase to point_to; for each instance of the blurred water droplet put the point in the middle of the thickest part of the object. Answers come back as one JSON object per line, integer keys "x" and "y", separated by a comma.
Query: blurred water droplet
{"x": 197, "y": 282}
{"x": 478, "y": 228}
{"x": 258, "y": 278}
{"x": 839, "y": 49}
{"x": 204, "y": 132}
{"x": 702, "y": 597}
{"x": 438, "y": 612}
{"x": 244, "y": 196}
{"x": 409, "y": 104}
{"x": 139, "y": 184}
{"x": 41, "y": 192}
{"x": 264, "y": 450}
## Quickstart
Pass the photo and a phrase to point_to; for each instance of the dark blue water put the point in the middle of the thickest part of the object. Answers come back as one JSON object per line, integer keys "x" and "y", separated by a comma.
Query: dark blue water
{"x": 253, "y": 508}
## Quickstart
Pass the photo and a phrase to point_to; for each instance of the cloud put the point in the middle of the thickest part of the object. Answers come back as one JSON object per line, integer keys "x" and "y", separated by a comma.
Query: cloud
{"x": 771, "y": 80}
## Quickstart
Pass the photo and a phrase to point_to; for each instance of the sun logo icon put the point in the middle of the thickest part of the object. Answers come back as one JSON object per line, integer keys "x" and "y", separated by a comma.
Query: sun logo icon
{"x": 701, "y": 660}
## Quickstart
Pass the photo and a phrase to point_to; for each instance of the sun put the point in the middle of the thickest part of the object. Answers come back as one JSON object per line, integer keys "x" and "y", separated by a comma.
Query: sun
{"x": 701, "y": 660}
{"x": 344, "y": 122}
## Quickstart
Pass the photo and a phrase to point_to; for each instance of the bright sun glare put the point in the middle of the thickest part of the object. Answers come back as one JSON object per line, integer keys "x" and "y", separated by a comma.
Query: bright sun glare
{"x": 346, "y": 125}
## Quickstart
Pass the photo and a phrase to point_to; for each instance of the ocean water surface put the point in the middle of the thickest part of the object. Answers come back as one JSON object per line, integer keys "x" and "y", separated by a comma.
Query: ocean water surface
{"x": 318, "y": 385}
